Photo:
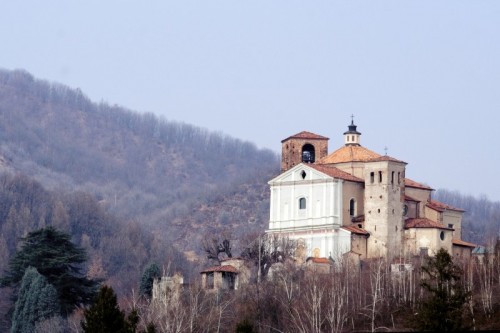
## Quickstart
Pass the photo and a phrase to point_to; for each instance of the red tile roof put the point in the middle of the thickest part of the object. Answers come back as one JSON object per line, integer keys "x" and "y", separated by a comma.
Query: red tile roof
{"x": 349, "y": 153}
{"x": 412, "y": 183}
{"x": 319, "y": 260}
{"x": 225, "y": 268}
{"x": 306, "y": 135}
{"x": 441, "y": 207}
{"x": 460, "y": 242}
{"x": 356, "y": 230}
{"x": 336, "y": 173}
{"x": 385, "y": 158}
{"x": 424, "y": 223}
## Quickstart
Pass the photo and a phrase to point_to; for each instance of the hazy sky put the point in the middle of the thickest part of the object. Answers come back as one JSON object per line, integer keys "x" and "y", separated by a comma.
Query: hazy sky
{"x": 421, "y": 77}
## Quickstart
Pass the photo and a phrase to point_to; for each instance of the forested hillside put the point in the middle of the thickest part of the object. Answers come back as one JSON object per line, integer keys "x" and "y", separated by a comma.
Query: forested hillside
{"x": 169, "y": 176}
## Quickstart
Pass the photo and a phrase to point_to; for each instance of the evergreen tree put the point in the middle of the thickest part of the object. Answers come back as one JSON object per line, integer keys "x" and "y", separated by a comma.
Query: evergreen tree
{"x": 104, "y": 316}
{"x": 55, "y": 257}
{"x": 150, "y": 273}
{"x": 36, "y": 302}
{"x": 443, "y": 310}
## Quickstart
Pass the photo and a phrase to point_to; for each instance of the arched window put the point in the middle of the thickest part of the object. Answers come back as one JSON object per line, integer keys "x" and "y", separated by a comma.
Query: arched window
{"x": 302, "y": 203}
{"x": 352, "y": 207}
{"x": 308, "y": 155}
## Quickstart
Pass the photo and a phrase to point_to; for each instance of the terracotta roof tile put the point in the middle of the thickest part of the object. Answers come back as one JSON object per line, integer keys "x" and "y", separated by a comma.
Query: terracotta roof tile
{"x": 320, "y": 260}
{"x": 385, "y": 158}
{"x": 349, "y": 153}
{"x": 440, "y": 207}
{"x": 306, "y": 135}
{"x": 412, "y": 183}
{"x": 356, "y": 230}
{"x": 336, "y": 173}
{"x": 225, "y": 268}
{"x": 424, "y": 223}
{"x": 460, "y": 242}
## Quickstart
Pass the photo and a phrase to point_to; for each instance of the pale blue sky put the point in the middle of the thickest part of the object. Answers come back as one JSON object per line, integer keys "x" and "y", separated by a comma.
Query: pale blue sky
{"x": 421, "y": 77}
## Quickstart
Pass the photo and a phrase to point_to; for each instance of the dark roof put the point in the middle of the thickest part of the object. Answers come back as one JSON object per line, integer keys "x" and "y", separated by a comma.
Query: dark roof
{"x": 225, "y": 268}
{"x": 352, "y": 129}
{"x": 441, "y": 207}
{"x": 424, "y": 223}
{"x": 306, "y": 135}
{"x": 336, "y": 173}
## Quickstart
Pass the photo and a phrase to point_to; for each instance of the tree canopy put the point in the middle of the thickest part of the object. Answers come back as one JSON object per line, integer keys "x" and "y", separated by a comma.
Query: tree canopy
{"x": 443, "y": 309}
{"x": 55, "y": 257}
{"x": 150, "y": 273}
{"x": 37, "y": 301}
{"x": 105, "y": 316}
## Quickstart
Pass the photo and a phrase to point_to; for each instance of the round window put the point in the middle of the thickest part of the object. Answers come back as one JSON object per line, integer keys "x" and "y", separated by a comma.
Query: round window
{"x": 441, "y": 235}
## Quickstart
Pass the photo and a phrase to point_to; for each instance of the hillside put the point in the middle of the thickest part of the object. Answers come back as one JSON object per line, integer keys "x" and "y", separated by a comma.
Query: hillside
{"x": 140, "y": 167}
{"x": 175, "y": 180}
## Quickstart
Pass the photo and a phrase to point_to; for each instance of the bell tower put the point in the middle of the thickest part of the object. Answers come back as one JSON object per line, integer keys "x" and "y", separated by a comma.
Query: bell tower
{"x": 352, "y": 136}
{"x": 304, "y": 147}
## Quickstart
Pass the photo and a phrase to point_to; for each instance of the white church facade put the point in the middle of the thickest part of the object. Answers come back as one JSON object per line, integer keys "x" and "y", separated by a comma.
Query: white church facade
{"x": 356, "y": 201}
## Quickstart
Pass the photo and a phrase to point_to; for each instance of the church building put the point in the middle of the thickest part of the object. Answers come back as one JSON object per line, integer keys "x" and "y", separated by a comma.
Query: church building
{"x": 356, "y": 201}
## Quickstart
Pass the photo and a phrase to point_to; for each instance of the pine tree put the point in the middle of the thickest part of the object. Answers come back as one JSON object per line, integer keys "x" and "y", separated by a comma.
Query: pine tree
{"x": 104, "y": 316}
{"x": 36, "y": 302}
{"x": 443, "y": 310}
{"x": 150, "y": 273}
{"x": 55, "y": 257}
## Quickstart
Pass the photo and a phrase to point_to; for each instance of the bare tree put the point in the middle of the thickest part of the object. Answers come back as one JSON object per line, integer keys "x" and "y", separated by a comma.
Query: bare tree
{"x": 216, "y": 244}
{"x": 266, "y": 250}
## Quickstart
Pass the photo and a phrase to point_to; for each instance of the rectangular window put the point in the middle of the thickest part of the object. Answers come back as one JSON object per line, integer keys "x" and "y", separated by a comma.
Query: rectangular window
{"x": 372, "y": 177}
{"x": 302, "y": 203}
{"x": 392, "y": 178}
{"x": 380, "y": 176}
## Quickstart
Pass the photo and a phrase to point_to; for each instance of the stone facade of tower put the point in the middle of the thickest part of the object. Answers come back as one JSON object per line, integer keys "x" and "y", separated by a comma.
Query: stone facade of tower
{"x": 302, "y": 147}
{"x": 384, "y": 201}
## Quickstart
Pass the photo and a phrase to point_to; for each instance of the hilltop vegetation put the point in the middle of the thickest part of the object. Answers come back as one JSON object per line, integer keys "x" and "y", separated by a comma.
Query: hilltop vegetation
{"x": 140, "y": 167}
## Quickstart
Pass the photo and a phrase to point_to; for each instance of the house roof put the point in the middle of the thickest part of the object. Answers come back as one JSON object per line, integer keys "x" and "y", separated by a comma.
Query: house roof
{"x": 460, "y": 242}
{"x": 349, "y": 153}
{"x": 319, "y": 260}
{"x": 385, "y": 158}
{"x": 424, "y": 223}
{"x": 306, "y": 135}
{"x": 356, "y": 230}
{"x": 336, "y": 173}
{"x": 414, "y": 184}
{"x": 441, "y": 207}
{"x": 224, "y": 268}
